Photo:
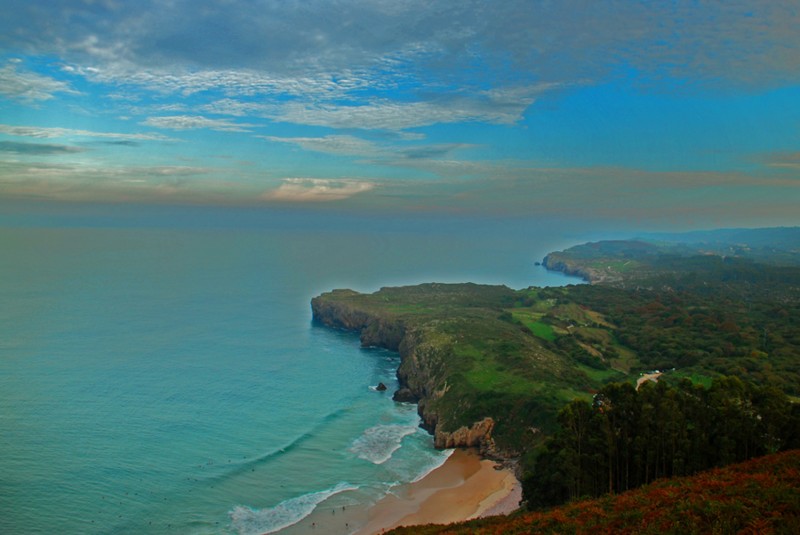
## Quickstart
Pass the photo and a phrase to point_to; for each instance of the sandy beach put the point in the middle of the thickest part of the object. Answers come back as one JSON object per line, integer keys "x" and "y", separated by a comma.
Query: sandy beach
{"x": 464, "y": 487}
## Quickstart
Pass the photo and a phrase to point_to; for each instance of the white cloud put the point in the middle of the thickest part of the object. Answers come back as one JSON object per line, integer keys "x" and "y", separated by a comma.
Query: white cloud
{"x": 29, "y": 87}
{"x": 317, "y": 190}
{"x": 285, "y": 44}
{"x": 195, "y": 122}
{"x": 391, "y": 115}
{"x": 231, "y": 82}
{"x": 87, "y": 182}
{"x": 340, "y": 145}
{"x": 783, "y": 160}
{"x": 498, "y": 106}
{"x": 41, "y": 132}
{"x": 239, "y": 108}
{"x": 345, "y": 145}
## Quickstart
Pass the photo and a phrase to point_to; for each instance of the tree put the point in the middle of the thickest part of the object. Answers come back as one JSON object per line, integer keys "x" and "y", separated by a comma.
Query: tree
{"x": 575, "y": 420}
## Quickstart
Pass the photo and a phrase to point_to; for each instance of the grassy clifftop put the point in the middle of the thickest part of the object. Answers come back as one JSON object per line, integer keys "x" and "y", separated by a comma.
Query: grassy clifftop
{"x": 472, "y": 352}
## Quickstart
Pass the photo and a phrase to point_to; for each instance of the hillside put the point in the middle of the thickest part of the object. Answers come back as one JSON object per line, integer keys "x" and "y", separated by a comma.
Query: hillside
{"x": 470, "y": 358}
{"x": 706, "y": 308}
{"x": 714, "y": 254}
{"x": 501, "y": 369}
{"x": 758, "y": 496}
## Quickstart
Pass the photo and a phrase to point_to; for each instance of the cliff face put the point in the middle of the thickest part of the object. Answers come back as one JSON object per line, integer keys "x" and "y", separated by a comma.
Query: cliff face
{"x": 554, "y": 262}
{"x": 422, "y": 372}
{"x": 374, "y": 330}
{"x": 479, "y": 435}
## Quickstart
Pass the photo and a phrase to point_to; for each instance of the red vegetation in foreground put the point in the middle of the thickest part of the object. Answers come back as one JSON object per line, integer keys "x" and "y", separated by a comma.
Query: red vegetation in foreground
{"x": 760, "y": 496}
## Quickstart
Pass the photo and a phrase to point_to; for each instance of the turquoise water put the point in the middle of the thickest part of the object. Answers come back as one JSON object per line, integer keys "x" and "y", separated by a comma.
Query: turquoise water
{"x": 170, "y": 380}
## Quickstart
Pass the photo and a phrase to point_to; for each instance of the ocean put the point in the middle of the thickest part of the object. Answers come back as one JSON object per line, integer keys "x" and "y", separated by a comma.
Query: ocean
{"x": 162, "y": 374}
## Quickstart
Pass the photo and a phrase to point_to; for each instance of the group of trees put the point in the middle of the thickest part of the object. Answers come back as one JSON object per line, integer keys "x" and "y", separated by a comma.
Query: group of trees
{"x": 730, "y": 318}
{"x": 626, "y": 437}
{"x": 719, "y": 323}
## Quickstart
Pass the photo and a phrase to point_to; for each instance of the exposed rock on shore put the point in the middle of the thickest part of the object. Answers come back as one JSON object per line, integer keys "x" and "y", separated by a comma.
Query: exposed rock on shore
{"x": 556, "y": 262}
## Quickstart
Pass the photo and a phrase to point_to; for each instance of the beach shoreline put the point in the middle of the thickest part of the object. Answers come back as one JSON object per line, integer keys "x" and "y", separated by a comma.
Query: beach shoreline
{"x": 464, "y": 487}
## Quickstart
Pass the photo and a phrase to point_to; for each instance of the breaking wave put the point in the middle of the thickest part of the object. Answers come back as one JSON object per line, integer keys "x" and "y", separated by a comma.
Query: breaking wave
{"x": 377, "y": 444}
{"x": 248, "y": 521}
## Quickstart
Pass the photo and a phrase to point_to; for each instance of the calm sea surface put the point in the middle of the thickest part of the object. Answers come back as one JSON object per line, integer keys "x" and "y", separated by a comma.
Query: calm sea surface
{"x": 168, "y": 378}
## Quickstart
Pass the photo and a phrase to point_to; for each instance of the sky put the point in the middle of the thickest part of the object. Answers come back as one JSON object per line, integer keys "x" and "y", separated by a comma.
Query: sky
{"x": 659, "y": 114}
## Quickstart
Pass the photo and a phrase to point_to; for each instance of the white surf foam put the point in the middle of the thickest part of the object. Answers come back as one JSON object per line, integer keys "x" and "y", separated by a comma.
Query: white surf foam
{"x": 378, "y": 443}
{"x": 248, "y": 521}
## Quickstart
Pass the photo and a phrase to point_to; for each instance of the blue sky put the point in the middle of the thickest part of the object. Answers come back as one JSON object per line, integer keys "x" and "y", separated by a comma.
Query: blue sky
{"x": 652, "y": 113}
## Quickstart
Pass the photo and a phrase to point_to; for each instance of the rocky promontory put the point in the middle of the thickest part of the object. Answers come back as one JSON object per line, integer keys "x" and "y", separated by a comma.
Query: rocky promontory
{"x": 557, "y": 262}
{"x": 479, "y": 376}
{"x": 423, "y": 371}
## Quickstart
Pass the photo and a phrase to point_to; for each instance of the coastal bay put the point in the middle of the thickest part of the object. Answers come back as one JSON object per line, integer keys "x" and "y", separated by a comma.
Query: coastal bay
{"x": 466, "y": 486}
{"x": 199, "y": 398}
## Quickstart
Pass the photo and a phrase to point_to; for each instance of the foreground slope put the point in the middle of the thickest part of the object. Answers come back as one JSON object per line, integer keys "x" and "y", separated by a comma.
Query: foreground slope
{"x": 758, "y": 496}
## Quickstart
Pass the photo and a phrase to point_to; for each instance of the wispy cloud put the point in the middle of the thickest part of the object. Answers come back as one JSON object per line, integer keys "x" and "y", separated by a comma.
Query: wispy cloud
{"x": 343, "y": 145}
{"x": 121, "y": 143}
{"x": 498, "y": 106}
{"x": 488, "y": 107}
{"x": 41, "y": 132}
{"x": 30, "y": 87}
{"x": 317, "y": 190}
{"x": 783, "y": 160}
{"x": 196, "y": 122}
{"x": 392, "y": 154}
{"x": 739, "y": 41}
{"x": 82, "y": 182}
{"x": 387, "y": 115}
{"x": 233, "y": 83}
{"x": 456, "y": 102}
{"x": 431, "y": 151}
{"x": 39, "y": 149}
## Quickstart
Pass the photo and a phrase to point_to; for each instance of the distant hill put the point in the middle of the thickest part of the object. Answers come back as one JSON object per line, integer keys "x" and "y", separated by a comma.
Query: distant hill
{"x": 758, "y": 496}
{"x": 621, "y": 262}
{"x": 767, "y": 239}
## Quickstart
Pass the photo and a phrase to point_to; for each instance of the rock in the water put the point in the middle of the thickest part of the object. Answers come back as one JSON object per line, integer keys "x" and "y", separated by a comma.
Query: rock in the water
{"x": 381, "y": 387}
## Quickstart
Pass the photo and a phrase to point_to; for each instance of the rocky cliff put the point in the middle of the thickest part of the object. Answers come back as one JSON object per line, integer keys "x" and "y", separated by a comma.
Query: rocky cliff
{"x": 422, "y": 374}
{"x": 375, "y": 330}
{"x": 557, "y": 262}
